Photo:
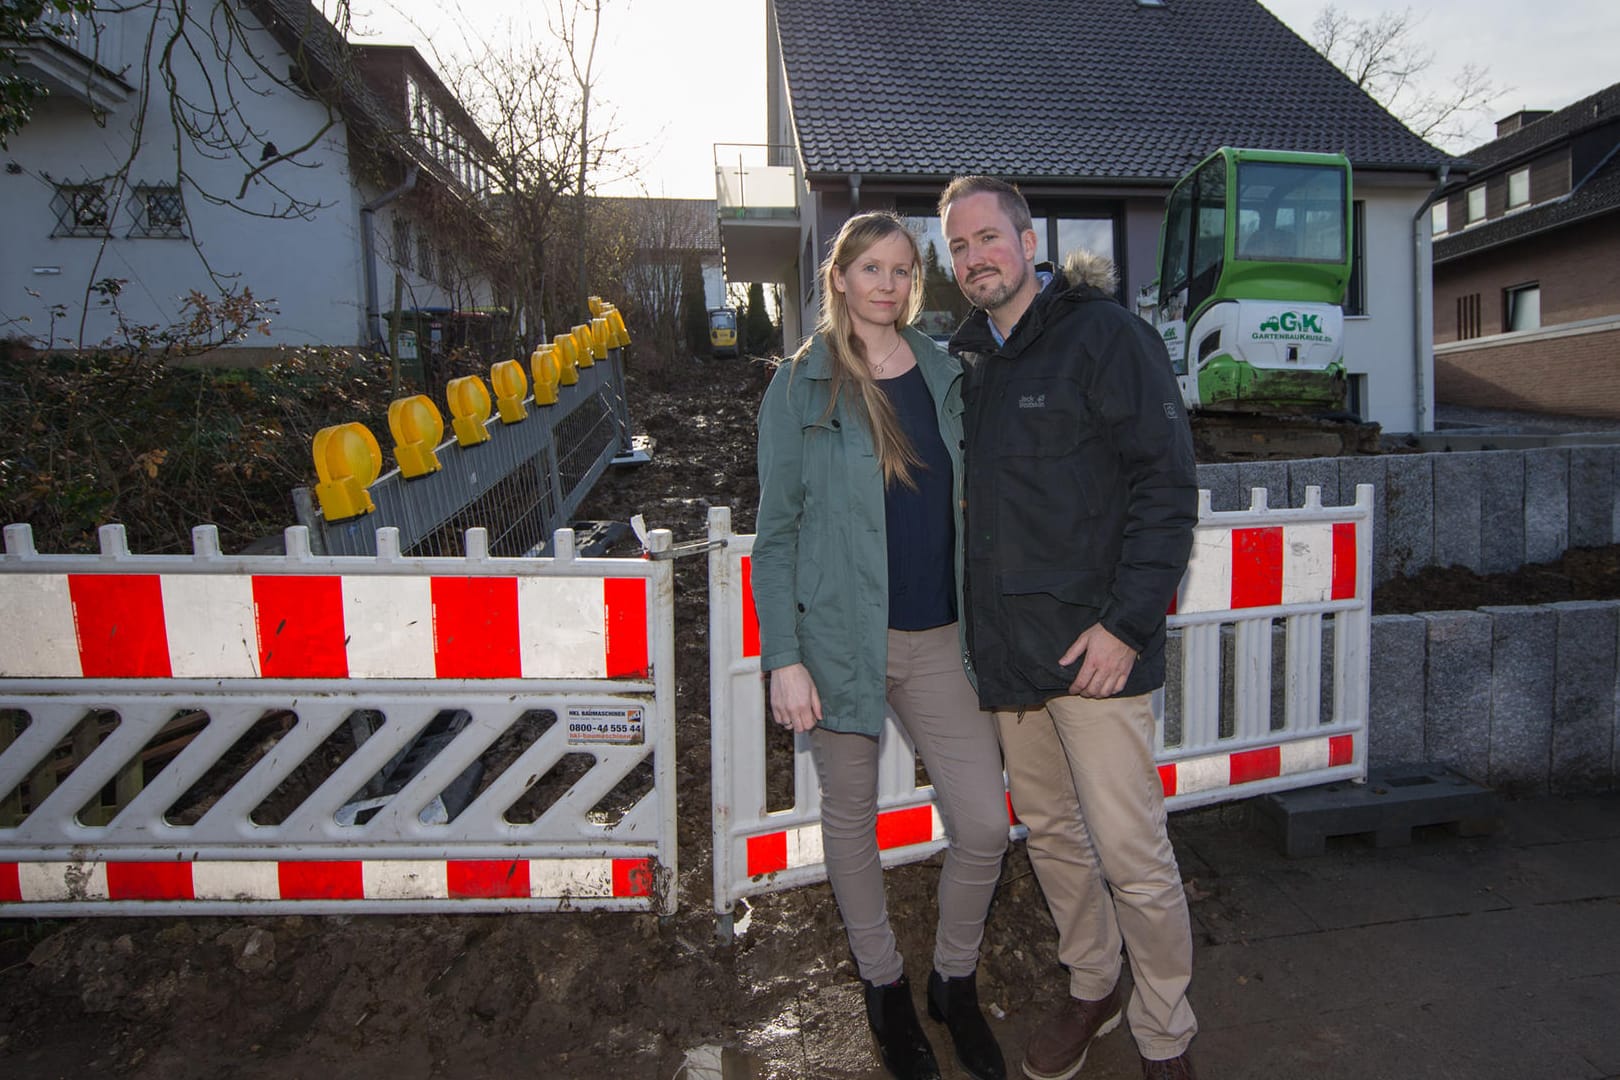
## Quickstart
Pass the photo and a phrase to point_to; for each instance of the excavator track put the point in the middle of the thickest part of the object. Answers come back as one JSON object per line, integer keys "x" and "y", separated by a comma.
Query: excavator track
{"x": 1280, "y": 436}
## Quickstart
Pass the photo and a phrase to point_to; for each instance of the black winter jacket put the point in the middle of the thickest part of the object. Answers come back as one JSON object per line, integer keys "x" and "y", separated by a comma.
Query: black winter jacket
{"x": 1080, "y": 487}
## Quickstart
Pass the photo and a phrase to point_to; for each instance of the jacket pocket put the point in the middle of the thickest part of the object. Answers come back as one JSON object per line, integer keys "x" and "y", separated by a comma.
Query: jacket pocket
{"x": 1045, "y": 610}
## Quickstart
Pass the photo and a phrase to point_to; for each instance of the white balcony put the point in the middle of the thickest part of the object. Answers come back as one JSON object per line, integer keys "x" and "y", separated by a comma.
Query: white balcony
{"x": 757, "y": 188}
{"x": 73, "y": 56}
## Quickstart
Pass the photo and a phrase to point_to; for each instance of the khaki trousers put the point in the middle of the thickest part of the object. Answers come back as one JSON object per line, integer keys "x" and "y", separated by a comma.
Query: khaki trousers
{"x": 1082, "y": 778}
{"x": 938, "y": 709}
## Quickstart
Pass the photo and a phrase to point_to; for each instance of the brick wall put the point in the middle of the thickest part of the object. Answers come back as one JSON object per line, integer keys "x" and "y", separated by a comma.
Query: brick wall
{"x": 1577, "y": 267}
{"x": 1573, "y": 374}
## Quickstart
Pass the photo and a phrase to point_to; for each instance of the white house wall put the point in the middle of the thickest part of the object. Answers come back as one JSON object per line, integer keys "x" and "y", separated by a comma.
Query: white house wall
{"x": 1381, "y": 344}
{"x": 309, "y": 267}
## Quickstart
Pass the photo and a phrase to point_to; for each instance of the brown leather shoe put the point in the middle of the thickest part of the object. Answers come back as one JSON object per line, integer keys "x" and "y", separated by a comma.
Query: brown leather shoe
{"x": 1177, "y": 1068}
{"x": 1058, "y": 1048}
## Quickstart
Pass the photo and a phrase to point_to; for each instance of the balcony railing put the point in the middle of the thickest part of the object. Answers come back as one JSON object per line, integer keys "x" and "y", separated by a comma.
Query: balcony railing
{"x": 754, "y": 180}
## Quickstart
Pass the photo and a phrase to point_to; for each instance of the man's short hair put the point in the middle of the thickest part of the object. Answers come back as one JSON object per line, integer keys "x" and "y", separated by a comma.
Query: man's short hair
{"x": 1011, "y": 199}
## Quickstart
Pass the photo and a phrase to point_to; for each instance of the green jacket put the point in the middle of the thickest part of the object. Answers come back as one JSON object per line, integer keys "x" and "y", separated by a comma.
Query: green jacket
{"x": 821, "y": 557}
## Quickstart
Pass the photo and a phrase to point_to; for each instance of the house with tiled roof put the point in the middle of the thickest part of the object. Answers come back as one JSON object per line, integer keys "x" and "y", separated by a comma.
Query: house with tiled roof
{"x": 1094, "y": 108}
{"x": 1527, "y": 266}
{"x": 334, "y": 181}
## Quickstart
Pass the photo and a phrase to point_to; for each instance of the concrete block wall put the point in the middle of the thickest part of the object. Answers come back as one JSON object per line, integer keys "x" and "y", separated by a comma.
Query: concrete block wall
{"x": 1525, "y": 699}
{"x": 1492, "y": 511}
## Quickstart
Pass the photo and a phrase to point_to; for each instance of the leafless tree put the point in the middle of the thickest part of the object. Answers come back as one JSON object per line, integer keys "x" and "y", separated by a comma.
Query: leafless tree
{"x": 1383, "y": 55}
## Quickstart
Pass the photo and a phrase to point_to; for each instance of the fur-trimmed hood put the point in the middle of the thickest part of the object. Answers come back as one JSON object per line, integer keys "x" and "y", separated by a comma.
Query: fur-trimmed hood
{"x": 1083, "y": 267}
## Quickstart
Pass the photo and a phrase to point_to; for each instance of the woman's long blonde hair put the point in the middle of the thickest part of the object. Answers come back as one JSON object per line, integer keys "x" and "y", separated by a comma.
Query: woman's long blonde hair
{"x": 850, "y": 371}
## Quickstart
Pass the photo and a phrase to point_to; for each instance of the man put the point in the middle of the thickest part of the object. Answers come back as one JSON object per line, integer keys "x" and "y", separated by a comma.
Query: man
{"x": 1081, "y": 499}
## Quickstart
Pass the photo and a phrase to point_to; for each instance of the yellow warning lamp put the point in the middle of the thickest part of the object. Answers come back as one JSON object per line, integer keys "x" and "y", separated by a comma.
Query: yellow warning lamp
{"x": 582, "y": 341}
{"x": 543, "y": 362}
{"x": 601, "y": 337}
{"x": 621, "y": 334}
{"x": 469, "y": 404}
{"x": 596, "y": 304}
{"x": 347, "y": 460}
{"x": 511, "y": 387}
{"x": 566, "y": 350}
{"x": 418, "y": 426}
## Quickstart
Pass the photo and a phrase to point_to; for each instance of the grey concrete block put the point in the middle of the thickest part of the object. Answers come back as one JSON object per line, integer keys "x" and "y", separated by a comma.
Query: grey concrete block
{"x": 1315, "y": 472}
{"x": 1354, "y": 471}
{"x": 1546, "y": 504}
{"x": 1457, "y": 532}
{"x": 1521, "y": 673}
{"x": 1409, "y": 490}
{"x": 1501, "y": 548}
{"x": 1395, "y": 713}
{"x": 1221, "y": 481}
{"x": 1271, "y": 475}
{"x": 1172, "y": 688}
{"x": 1457, "y": 693}
{"x": 1591, "y": 496}
{"x": 1583, "y": 722}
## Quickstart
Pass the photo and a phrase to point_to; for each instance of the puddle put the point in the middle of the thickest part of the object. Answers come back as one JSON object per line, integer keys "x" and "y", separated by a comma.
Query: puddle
{"x": 717, "y": 1063}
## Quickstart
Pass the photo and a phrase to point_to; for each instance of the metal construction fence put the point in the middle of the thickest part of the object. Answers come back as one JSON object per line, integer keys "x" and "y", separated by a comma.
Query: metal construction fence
{"x": 528, "y": 478}
{"x": 306, "y": 733}
{"x": 1248, "y": 708}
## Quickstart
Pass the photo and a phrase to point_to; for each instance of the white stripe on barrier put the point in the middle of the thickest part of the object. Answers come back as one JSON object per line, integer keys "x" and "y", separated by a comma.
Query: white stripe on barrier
{"x": 565, "y": 627}
{"x": 235, "y": 880}
{"x": 37, "y": 635}
{"x": 46, "y": 881}
{"x": 389, "y": 622}
{"x": 402, "y": 879}
{"x": 211, "y": 627}
{"x": 1208, "y": 584}
{"x": 1307, "y": 569}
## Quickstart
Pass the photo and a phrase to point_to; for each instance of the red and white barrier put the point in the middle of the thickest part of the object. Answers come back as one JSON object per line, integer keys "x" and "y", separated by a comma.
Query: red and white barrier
{"x": 321, "y": 626}
{"x": 1249, "y": 569}
{"x": 426, "y": 660}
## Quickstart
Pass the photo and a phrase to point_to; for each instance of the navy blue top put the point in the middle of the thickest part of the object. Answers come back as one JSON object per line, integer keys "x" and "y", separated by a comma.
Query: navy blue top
{"x": 921, "y": 528}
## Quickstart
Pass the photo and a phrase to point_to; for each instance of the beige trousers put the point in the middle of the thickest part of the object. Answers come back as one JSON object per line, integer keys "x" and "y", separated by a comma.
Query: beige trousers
{"x": 934, "y": 702}
{"x": 1083, "y": 780}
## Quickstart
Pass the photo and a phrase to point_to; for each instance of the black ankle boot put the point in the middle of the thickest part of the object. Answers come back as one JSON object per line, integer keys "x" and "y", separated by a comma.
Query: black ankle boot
{"x": 900, "y": 1039}
{"x": 955, "y": 1003}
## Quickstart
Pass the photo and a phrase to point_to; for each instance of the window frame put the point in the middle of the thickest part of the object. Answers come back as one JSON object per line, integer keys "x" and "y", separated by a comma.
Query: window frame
{"x": 1440, "y": 218}
{"x": 70, "y": 203}
{"x": 141, "y": 205}
{"x": 1355, "y": 289}
{"x": 1512, "y": 301}
{"x": 1470, "y": 201}
{"x": 1518, "y": 175}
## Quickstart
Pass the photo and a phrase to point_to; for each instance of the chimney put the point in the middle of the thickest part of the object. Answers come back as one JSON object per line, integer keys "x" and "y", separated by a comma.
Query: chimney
{"x": 1519, "y": 120}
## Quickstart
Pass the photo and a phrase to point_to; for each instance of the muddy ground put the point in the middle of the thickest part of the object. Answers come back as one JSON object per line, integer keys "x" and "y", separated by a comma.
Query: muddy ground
{"x": 568, "y": 995}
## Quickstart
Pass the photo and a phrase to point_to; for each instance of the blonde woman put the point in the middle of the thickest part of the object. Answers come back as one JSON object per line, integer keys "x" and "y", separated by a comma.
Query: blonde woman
{"x": 856, "y": 575}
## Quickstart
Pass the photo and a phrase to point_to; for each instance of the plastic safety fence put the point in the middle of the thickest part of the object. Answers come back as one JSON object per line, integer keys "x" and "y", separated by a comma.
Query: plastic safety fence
{"x": 523, "y": 484}
{"x": 213, "y": 734}
{"x": 1255, "y": 701}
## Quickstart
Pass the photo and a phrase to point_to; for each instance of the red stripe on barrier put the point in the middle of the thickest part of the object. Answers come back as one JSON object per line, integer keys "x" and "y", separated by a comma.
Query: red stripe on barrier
{"x": 1257, "y": 567}
{"x": 1167, "y": 779}
{"x": 1175, "y": 598}
{"x": 475, "y": 628}
{"x": 300, "y": 621}
{"x": 1341, "y": 749}
{"x": 321, "y": 881}
{"x": 902, "y": 828}
{"x": 632, "y": 877}
{"x": 487, "y": 879}
{"x": 767, "y": 854}
{"x": 149, "y": 881}
{"x": 1262, "y": 764}
{"x": 1012, "y": 815}
{"x": 624, "y": 601}
{"x": 10, "y": 884}
{"x": 119, "y": 620}
{"x": 750, "y": 617}
{"x": 1344, "y": 560}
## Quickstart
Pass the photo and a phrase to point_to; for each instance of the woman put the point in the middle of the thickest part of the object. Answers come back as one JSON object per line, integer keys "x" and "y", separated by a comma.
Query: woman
{"x": 856, "y": 572}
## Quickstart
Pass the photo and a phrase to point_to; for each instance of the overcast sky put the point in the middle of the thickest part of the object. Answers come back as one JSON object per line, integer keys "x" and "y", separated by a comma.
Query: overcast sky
{"x": 682, "y": 75}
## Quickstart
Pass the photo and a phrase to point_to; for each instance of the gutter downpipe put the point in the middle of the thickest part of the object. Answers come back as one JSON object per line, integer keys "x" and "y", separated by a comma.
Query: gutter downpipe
{"x": 854, "y": 193}
{"x": 1422, "y": 408}
{"x": 367, "y": 252}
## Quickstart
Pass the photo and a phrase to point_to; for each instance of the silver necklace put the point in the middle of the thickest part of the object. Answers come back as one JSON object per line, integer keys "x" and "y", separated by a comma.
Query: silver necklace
{"x": 877, "y": 368}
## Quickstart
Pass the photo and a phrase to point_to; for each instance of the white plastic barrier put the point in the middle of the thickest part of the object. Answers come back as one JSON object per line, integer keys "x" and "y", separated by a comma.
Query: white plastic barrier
{"x": 1249, "y": 569}
{"x": 454, "y": 690}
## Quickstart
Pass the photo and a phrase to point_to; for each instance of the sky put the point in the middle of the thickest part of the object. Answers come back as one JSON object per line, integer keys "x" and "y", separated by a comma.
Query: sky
{"x": 682, "y": 75}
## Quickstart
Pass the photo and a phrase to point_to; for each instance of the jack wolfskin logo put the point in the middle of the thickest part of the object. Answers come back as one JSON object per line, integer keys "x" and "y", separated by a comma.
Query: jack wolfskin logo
{"x": 1032, "y": 401}
{"x": 1170, "y": 409}
{"x": 1293, "y": 322}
